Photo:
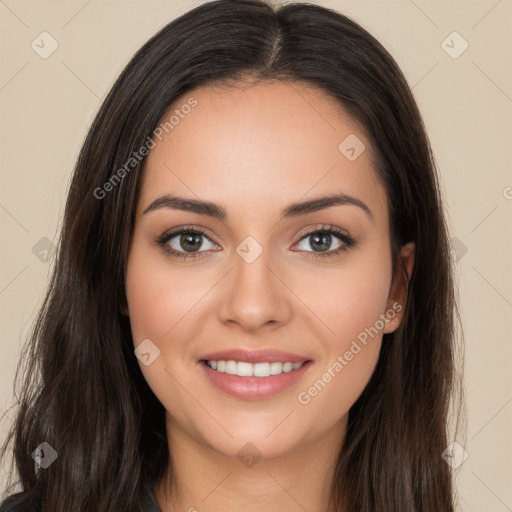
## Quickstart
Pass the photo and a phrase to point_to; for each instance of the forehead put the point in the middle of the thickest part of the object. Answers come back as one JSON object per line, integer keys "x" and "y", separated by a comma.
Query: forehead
{"x": 260, "y": 145}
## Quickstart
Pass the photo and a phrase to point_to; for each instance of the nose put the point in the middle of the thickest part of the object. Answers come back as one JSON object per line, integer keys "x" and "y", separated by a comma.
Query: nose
{"x": 254, "y": 295}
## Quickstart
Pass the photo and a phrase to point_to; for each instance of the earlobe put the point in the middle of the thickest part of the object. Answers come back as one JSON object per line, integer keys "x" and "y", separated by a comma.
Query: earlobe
{"x": 398, "y": 295}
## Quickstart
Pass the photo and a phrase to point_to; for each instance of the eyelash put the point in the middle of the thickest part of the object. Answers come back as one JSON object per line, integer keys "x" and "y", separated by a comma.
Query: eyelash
{"x": 347, "y": 240}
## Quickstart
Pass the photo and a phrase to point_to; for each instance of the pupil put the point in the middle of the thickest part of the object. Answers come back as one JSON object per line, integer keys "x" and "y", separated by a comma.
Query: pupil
{"x": 188, "y": 239}
{"x": 323, "y": 240}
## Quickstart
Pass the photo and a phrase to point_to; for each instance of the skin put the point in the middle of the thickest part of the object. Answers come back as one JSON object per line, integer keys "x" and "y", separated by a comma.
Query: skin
{"x": 254, "y": 150}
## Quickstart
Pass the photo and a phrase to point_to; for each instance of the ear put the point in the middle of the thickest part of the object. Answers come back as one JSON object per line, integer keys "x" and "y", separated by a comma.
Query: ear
{"x": 398, "y": 293}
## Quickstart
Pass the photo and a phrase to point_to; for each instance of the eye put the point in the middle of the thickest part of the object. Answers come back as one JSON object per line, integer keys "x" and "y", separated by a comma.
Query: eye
{"x": 320, "y": 240}
{"x": 185, "y": 243}
{"x": 193, "y": 242}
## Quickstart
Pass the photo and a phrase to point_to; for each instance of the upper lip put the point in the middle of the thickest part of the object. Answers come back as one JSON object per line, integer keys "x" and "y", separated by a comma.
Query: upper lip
{"x": 254, "y": 356}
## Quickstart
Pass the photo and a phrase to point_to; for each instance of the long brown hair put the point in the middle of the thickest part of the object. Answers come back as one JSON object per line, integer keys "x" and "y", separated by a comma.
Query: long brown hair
{"x": 83, "y": 392}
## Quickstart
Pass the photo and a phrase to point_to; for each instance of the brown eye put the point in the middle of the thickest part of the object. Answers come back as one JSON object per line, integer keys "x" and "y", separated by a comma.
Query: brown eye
{"x": 321, "y": 241}
{"x": 185, "y": 243}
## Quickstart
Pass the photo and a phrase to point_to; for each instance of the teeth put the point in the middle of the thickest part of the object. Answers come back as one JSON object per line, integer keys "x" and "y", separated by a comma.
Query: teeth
{"x": 230, "y": 367}
{"x": 243, "y": 369}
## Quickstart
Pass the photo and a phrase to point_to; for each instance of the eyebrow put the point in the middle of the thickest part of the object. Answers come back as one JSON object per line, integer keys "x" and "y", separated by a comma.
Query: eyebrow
{"x": 218, "y": 212}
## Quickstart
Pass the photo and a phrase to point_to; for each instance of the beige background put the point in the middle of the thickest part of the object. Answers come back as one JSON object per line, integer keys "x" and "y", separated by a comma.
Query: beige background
{"x": 48, "y": 104}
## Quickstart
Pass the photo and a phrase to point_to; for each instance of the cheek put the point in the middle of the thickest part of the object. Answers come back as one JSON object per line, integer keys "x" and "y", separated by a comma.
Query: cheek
{"x": 161, "y": 306}
{"x": 158, "y": 298}
{"x": 352, "y": 304}
{"x": 349, "y": 298}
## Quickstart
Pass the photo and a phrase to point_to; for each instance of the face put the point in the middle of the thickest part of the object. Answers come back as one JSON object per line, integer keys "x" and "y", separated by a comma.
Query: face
{"x": 260, "y": 275}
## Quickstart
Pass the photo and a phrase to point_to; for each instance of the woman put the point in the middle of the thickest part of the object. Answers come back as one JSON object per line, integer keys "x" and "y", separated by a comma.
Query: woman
{"x": 252, "y": 306}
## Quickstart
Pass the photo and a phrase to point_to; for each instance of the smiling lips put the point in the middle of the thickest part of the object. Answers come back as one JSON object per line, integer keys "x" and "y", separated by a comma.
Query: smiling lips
{"x": 251, "y": 374}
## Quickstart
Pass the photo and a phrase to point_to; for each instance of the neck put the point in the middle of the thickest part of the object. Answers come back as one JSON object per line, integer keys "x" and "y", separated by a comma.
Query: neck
{"x": 201, "y": 478}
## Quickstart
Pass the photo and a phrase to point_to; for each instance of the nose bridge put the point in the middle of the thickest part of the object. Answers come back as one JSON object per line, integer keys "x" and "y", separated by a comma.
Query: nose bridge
{"x": 254, "y": 296}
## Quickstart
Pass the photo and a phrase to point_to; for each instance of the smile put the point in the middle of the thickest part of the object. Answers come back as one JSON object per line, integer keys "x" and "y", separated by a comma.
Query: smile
{"x": 253, "y": 381}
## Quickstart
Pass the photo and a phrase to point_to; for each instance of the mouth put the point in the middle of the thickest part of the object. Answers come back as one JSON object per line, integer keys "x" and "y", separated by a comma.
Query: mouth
{"x": 253, "y": 375}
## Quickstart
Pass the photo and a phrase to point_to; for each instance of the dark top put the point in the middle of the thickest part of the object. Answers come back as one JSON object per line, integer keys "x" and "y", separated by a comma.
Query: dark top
{"x": 11, "y": 504}
{"x": 152, "y": 505}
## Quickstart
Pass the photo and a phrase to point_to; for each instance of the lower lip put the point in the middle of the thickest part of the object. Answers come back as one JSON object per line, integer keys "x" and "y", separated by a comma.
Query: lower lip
{"x": 254, "y": 388}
